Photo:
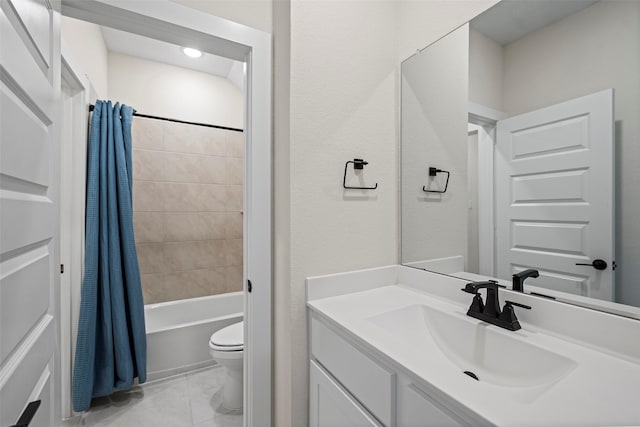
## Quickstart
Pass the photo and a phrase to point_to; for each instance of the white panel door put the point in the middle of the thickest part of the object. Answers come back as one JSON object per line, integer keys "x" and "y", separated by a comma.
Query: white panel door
{"x": 29, "y": 94}
{"x": 554, "y": 195}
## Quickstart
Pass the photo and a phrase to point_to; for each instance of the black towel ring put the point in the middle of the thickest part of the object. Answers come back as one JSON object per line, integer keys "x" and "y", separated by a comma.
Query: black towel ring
{"x": 433, "y": 172}
{"x": 357, "y": 164}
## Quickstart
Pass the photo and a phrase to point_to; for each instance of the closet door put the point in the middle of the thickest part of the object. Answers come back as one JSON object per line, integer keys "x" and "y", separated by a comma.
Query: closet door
{"x": 29, "y": 265}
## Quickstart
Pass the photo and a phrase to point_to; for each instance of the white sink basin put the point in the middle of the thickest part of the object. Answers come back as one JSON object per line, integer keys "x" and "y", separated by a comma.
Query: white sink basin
{"x": 494, "y": 355}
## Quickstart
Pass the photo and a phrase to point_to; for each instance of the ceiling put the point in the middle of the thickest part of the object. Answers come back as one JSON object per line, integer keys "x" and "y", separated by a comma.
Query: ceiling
{"x": 510, "y": 20}
{"x": 160, "y": 51}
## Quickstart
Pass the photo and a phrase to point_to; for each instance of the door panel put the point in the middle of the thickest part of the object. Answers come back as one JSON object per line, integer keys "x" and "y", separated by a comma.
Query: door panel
{"x": 26, "y": 219}
{"x": 33, "y": 361}
{"x": 563, "y": 136}
{"x": 551, "y": 187}
{"x": 20, "y": 143}
{"x": 43, "y": 391}
{"x": 36, "y": 21}
{"x": 549, "y": 236}
{"x": 29, "y": 260}
{"x": 21, "y": 302}
{"x": 554, "y": 202}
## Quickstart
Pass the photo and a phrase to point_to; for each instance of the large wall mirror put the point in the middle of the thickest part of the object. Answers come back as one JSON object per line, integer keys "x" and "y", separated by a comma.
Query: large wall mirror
{"x": 520, "y": 150}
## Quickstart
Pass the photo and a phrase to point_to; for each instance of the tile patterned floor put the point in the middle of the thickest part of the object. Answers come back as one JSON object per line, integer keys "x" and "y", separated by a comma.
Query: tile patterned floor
{"x": 189, "y": 400}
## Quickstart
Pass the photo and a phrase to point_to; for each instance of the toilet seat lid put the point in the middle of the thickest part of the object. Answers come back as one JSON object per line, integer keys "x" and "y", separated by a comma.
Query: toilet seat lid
{"x": 229, "y": 337}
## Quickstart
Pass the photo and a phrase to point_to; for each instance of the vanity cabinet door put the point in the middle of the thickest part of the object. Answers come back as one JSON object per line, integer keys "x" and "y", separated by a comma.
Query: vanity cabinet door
{"x": 369, "y": 382}
{"x": 417, "y": 409}
{"x": 330, "y": 406}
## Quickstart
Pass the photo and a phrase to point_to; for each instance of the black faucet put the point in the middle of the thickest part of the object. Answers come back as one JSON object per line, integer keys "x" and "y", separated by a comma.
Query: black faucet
{"x": 518, "y": 279}
{"x": 491, "y": 312}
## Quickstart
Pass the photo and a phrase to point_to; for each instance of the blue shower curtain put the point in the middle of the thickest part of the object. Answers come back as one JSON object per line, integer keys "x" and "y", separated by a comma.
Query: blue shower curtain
{"x": 111, "y": 344}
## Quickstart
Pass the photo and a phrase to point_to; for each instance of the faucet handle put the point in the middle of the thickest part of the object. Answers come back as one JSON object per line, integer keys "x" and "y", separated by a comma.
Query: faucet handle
{"x": 477, "y": 305}
{"x": 517, "y": 304}
{"x": 508, "y": 314}
{"x": 470, "y": 290}
{"x": 527, "y": 273}
{"x": 474, "y": 287}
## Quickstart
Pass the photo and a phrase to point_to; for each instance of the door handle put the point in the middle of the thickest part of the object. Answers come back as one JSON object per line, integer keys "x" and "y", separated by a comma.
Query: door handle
{"x": 598, "y": 264}
{"x": 27, "y": 414}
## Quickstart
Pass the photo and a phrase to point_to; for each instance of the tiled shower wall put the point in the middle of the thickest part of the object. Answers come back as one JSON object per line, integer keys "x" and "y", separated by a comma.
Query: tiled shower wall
{"x": 187, "y": 209}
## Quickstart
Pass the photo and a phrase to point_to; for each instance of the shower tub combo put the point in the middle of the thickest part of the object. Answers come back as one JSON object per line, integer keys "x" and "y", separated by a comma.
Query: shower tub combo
{"x": 178, "y": 332}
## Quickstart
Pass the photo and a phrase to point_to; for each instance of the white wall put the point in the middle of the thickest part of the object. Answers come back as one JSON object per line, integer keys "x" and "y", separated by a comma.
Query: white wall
{"x": 252, "y": 13}
{"x": 485, "y": 71}
{"x": 282, "y": 383}
{"x": 151, "y": 87}
{"x": 599, "y": 50}
{"x": 87, "y": 46}
{"x": 434, "y": 134}
{"x": 343, "y": 74}
{"x": 178, "y": 93}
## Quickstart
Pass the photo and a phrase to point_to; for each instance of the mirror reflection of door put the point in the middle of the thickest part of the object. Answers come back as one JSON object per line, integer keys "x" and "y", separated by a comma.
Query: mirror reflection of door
{"x": 554, "y": 195}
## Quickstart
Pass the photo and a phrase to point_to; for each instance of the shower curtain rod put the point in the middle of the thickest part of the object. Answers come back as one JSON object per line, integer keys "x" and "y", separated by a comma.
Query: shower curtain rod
{"x": 147, "y": 116}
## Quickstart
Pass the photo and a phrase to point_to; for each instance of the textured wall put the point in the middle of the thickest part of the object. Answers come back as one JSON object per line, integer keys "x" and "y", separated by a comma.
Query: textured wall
{"x": 187, "y": 207}
{"x": 252, "y": 13}
{"x": 85, "y": 42}
{"x": 169, "y": 91}
{"x": 343, "y": 63}
{"x": 485, "y": 71}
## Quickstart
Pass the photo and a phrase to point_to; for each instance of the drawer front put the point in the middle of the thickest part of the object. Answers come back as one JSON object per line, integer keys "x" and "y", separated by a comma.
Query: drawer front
{"x": 370, "y": 383}
{"x": 330, "y": 406}
{"x": 416, "y": 409}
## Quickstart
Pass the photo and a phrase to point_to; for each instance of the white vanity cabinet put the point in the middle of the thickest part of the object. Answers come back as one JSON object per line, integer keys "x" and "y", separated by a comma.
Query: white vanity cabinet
{"x": 349, "y": 387}
{"x": 394, "y": 343}
{"x": 416, "y": 408}
{"x": 331, "y": 405}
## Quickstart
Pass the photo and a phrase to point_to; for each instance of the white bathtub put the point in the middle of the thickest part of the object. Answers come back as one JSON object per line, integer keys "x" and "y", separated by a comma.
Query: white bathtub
{"x": 178, "y": 332}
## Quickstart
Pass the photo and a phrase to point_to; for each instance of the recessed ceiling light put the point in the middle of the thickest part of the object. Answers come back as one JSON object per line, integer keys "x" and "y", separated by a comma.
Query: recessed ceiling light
{"x": 191, "y": 52}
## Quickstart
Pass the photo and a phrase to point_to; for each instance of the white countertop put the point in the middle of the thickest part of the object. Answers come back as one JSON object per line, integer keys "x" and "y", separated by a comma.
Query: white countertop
{"x": 603, "y": 388}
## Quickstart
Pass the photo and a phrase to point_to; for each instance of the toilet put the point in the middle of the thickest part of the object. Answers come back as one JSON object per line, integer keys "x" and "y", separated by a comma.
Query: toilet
{"x": 226, "y": 346}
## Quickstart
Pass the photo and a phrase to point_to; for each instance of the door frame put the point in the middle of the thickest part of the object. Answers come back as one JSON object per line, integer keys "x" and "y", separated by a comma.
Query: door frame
{"x": 73, "y": 159}
{"x": 174, "y": 23}
{"x": 487, "y": 119}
